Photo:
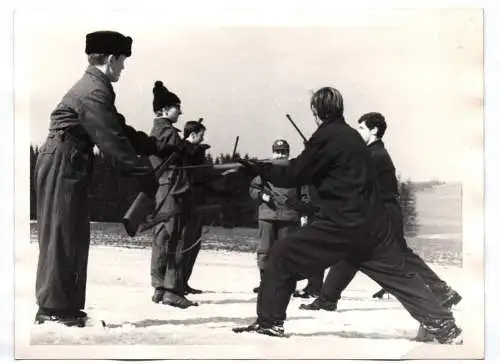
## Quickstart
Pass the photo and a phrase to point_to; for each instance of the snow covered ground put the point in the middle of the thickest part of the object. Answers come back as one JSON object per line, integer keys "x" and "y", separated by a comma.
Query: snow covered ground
{"x": 119, "y": 293}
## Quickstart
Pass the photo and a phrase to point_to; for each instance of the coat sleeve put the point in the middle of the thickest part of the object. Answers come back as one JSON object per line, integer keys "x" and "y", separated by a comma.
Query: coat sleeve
{"x": 101, "y": 122}
{"x": 140, "y": 141}
{"x": 303, "y": 169}
{"x": 166, "y": 137}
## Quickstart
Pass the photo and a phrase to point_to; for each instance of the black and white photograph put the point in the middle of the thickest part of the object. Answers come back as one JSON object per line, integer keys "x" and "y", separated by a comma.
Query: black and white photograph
{"x": 295, "y": 184}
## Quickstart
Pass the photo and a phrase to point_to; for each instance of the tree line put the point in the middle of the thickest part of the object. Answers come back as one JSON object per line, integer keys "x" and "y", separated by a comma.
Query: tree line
{"x": 111, "y": 195}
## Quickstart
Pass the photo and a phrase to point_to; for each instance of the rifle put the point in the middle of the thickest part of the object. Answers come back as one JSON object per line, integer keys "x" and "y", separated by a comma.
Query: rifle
{"x": 143, "y": 205}
{"x": 142, "y": 209}
{"x": 152, "y": 221}
{"x": 291, "y": 202}
{"x": 296, "y": 128}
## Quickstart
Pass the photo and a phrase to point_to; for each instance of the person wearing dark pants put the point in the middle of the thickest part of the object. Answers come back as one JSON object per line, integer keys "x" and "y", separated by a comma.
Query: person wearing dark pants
{"x": 315, "y": 282}
{"x": 85, "y": 117}
{"x": 192, "y": 249}
{"x": 372, "y": 127}
{"x": 173, "y": 195}
{"x": 276, "y": 220}
{"x": 351, "y": 225}
{"x": 194, "y": 133}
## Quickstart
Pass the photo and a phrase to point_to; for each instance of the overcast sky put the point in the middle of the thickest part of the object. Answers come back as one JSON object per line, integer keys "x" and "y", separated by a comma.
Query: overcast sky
{"x": 422, "y": 70}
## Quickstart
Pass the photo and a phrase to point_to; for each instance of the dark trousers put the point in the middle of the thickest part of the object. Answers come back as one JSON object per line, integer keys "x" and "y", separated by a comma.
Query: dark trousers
{"x": 314, "y": 283}
{"x": 62, "y": 179}
{"x": 167, "y": 256}
{"x": 313, "y": 248}
{"x": 192, "y": 244}
{"x": 340, "y": 275}
{"x": 269, "y": 232}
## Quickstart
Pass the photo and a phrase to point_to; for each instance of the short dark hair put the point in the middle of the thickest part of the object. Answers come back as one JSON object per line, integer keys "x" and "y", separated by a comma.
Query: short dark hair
{"x": 98, "y": 59}
{"x": 328, "y": 103}
{"x": 193, "y": 127}
{"x": 374, "y": 120}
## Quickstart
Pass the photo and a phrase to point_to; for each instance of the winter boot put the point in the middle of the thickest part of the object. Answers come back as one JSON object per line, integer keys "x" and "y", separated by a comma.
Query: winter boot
{"x": 158, "y": 295}
{"x": 173, "y": 299}
{"x": 319, "y": 304}
{"x": 66, "y": 317}
{"x": 444, "y": 331}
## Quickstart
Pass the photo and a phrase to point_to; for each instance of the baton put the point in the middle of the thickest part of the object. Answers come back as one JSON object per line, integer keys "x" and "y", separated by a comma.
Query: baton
{"x": 296, "y": 128}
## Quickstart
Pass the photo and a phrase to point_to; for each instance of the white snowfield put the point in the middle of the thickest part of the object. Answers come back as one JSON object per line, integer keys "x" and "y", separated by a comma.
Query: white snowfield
{"x": 119, "y": 293}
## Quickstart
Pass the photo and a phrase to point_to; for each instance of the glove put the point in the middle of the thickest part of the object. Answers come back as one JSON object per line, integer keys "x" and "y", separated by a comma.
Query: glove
{"x": 204, "y": 147}
{"x": 265, "y": 197}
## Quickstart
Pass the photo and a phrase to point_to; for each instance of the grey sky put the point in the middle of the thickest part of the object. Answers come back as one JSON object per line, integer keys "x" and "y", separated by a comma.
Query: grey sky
{"x": 422, "y": 70}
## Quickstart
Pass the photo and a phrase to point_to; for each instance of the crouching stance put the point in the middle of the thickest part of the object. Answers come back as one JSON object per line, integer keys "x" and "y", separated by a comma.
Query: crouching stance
{"x": 372, "y": 127}
{"x": 352, "y": 225}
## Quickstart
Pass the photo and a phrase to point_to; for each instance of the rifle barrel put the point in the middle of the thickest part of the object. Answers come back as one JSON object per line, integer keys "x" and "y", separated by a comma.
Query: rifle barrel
{"x": 296, "y": 127}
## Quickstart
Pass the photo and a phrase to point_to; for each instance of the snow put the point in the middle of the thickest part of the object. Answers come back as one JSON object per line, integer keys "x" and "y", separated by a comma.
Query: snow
{"x": 119, "y": 292}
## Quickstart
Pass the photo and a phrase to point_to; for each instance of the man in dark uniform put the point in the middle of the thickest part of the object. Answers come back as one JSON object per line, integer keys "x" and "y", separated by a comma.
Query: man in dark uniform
{"x": 276, "y": 219}
{"x": 372, "y": 127}
{"x": 86, "y": 116}
{"x": 168, "y": 250}
{"x": 352, "y": 225}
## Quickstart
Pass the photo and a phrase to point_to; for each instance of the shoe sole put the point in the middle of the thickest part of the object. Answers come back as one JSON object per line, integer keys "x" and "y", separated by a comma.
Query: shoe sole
{"x": 307, "y": 308}
{"x": 269, "y": 333}
{"x": 182, "y": 306}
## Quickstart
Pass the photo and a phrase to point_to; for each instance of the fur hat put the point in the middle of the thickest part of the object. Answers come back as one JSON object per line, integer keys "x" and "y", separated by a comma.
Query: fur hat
{"x": 162, "y": 97}
{"x": 108, "y": 42}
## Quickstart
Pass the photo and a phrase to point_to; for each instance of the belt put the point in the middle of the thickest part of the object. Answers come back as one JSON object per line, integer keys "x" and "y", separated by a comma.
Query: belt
{"x": 66, "y": 134}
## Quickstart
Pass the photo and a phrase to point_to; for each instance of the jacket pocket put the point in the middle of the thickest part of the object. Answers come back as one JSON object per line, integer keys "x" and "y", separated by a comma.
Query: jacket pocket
{"x": 76, "y": 163}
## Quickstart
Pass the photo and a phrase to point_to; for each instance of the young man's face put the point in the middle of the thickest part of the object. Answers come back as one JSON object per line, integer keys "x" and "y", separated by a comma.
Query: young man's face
{"x": 115, "y": 67}
{"x": 368, "y": 135}
{"x": 172, "y": 112}
{"x": 197, "y": 138}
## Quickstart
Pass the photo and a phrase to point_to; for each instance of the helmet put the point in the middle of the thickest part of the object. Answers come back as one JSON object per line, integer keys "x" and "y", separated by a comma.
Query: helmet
{"x": 281, "y": 146}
